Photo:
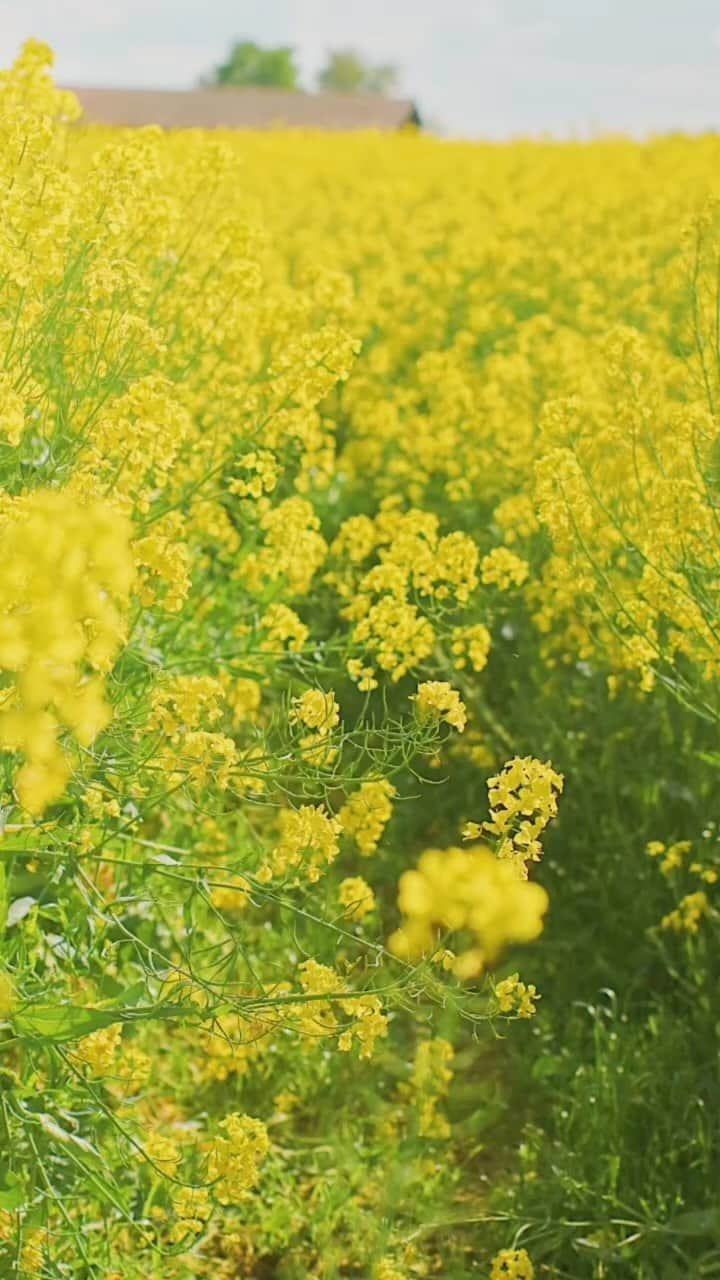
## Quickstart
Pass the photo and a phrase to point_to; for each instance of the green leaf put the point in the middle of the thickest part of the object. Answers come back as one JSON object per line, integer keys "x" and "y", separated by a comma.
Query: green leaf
{"x": 711, "y": 758}
{"x": 12, "y": 1192}
{"x": 699, "y": 1222}
{"x": 3, "y": 898}
{"x": 56, "y": 1131}
{"x": 547, "y": 1066}
{"x": 130, "y": 996}
{"x": 113, "y": 993}
{"x": 54, "y": 1024}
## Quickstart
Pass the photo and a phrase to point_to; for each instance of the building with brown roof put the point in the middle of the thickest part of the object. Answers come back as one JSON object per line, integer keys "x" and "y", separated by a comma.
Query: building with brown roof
{"x": 244, "y": 109}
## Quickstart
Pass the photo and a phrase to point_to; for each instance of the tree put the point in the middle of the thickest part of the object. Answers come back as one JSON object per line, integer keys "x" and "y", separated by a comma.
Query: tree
{"x": 348, "y": 72}
{"x": 249, "y": 64}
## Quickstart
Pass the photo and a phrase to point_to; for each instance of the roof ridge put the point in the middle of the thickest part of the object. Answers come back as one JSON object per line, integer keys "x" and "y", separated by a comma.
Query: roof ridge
{"x": 226, "y": 106}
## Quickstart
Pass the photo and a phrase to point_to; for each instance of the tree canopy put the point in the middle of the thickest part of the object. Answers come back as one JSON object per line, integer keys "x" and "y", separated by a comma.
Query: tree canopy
{"x": 346, "y": 71}
{"x": 249, "y": 64}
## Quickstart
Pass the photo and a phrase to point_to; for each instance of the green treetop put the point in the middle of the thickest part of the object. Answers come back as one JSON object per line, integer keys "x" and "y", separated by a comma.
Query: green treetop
{"x": 248, "y": 64}
{"x": 348, "y": 72}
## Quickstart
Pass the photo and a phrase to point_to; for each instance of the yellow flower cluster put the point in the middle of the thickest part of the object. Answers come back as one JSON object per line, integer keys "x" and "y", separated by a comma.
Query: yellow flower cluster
{"x": 523, "y": 800}
{"x": 65, "y": 576}
{"x": 412, "y": 562}
{"x": 503, "y": 569}
{"x": 677, "y": 865}
{"x": 397, "y": 636}
{"x": 317, "y": 710}
{"x": 193, "y": 1208}
{"x": 512, "y": 1264}
{"x": 623, "y": 491}
{"x": 293, "y": 549}
{"x": 321, "y": 714}
{"x": 436, "y": 700}
{"x": 515, "y": 997}
{"x": 97, "y": 1052}
{"x": 471, "y": 644}
{"x": 366, "y": 814}
{"x": 466, "y": 891}
{"x": 356, "y": 896}
{"x": 386, "y": 1270}
{"x": 200, "y": 757}
{"x": 184, "y": 703}
{"x": 308, "y": 843}
{"x": 689, "y": 912}
{"x": 319, "y": 1018}
{"x": 132, "y": 1071}
{"x": 234, "y": 1157}
{"x": 283, "y": 628}
{"x": 30, "y": 1261}
{"x": 429, "y": 1082}
{"x": 162, "y": 1153}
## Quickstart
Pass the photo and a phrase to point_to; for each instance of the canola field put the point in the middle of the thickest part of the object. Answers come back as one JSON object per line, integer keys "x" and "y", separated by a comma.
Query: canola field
{"x": 360, "y": 646}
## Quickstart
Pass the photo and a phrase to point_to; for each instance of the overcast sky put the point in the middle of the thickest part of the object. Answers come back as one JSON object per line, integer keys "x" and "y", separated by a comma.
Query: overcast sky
{"x": 476, "y": 67}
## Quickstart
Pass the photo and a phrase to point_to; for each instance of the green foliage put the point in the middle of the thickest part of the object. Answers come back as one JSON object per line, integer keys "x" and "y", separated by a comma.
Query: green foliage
{"x": 249, "y": 65}
{"x": 610, "y": 1121}
{"x": 346, "y": 71}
